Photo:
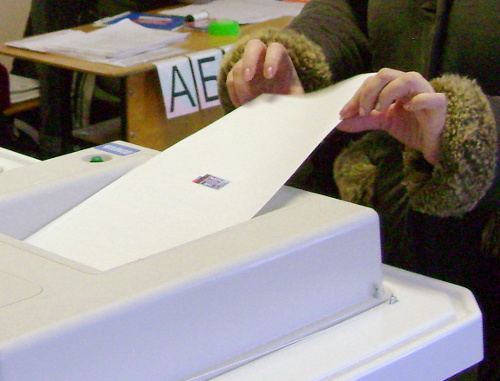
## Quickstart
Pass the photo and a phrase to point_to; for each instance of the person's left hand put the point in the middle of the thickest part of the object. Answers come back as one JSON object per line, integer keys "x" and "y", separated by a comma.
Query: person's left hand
{"x": 402, "y": 103}
{"x": 262, "y": 70}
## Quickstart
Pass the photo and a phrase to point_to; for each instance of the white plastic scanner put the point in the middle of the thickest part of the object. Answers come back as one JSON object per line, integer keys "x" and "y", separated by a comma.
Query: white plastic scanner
{"x": 296, "y": 293}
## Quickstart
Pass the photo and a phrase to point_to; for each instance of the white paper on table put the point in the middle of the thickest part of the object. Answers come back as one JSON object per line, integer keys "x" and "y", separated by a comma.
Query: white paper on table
{"x": 117, "y": 41}
{"x": 242, "y": 11}
{"x": 40, "y": 42}
{"x": 149, "y": 56}
{"x": 157, "y": 206}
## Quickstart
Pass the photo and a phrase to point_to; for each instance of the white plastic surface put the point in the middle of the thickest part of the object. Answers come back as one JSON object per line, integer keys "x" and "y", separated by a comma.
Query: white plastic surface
{"x": 242, "y": 294}
{"x": 431, "y": 331}
{"x": 290, "y": 271}
{"x": 10, "y": 159}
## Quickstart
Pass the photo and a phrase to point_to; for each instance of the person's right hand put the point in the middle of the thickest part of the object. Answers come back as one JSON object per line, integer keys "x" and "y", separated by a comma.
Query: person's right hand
{"x": 402, "y": 103}
{"x": 262, "y": 69}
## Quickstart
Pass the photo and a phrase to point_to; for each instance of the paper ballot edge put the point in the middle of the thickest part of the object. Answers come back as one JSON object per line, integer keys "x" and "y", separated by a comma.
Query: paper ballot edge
{"x": 85, "y": 235}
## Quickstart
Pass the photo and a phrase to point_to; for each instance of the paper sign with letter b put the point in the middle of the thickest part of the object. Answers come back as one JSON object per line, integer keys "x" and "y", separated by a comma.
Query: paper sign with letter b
{"x": 178, "y": 87}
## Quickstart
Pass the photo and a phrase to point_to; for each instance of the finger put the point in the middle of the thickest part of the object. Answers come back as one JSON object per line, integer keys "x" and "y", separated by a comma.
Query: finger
{"x": 402, "y": 88}
{"x": 233, "y": 83}
{"x": 372, "y": 88}
{"x": 430, "y": 111}
{"x": 373, "y": 121}
{"x": 427, "y": 101}
{"x": 240, "y": 90}
{"x": 276, "y": 58}
{"x": 231, "y": 89}
{"x": 253, "y": 58}
{"x": 353, "y": 106}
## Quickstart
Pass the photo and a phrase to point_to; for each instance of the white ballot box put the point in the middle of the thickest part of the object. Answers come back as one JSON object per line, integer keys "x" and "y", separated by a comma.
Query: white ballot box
{"x": 297, "y": 292}
{"x": 10, "y": 159}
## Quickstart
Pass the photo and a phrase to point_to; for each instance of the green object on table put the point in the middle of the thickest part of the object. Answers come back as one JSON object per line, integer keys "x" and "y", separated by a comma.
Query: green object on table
{"x": 224, "y": 27}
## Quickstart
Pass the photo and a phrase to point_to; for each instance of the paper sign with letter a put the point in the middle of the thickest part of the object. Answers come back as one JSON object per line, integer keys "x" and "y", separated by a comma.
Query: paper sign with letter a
{"x": 206, "y": 68}
{"x": 178, "y": 87}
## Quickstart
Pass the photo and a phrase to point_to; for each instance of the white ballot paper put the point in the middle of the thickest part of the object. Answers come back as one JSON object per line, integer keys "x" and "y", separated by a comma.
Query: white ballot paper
{"x": 214, "y": 179}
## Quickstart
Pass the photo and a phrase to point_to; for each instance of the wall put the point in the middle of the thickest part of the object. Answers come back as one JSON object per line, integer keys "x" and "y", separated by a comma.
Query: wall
{"x": 13, "y": 16}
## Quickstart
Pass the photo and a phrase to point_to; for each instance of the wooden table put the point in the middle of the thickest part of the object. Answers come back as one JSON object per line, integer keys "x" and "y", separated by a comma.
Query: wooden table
{"x": 144, "y": 120}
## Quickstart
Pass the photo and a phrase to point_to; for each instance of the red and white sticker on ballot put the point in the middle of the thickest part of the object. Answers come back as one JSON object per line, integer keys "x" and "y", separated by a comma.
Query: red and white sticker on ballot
{"x": 189, "y": 83}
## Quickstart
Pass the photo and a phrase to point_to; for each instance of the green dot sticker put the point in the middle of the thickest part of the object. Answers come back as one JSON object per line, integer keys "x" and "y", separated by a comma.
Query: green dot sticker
{"x": 96, "y": 159}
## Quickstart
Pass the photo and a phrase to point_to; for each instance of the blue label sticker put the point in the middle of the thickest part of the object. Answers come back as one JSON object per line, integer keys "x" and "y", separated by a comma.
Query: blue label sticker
{"x": 117, "y": 149}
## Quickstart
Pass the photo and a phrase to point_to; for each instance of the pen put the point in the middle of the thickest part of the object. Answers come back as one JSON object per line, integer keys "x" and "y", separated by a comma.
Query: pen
{"x": 203, "y": 15}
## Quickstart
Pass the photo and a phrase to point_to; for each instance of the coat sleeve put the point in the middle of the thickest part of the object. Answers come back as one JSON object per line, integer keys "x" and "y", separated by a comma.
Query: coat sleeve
{"x": 327, "y": 35}
{"x": 373, "y": 172}
{"x": 466, "y": 167}
{"x": 307, "y": 57}
{"x": 340, "y": 28}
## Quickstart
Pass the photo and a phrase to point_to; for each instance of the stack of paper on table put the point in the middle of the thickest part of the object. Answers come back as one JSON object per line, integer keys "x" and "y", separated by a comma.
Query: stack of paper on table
{"x": 110, "y": 44}
{"x": 23, "y": 88}
{"x": 214, "y": 179}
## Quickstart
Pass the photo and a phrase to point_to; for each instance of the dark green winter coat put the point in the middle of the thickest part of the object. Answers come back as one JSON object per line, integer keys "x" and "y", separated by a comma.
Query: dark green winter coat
{"x": 439, "y": 220}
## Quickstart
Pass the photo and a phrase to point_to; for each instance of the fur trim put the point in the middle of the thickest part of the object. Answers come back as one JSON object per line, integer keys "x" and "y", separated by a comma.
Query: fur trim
{"x": 466, "y": 166}
{"x": 307, "y": 57}
{"x": 355, "y": 176}
{"x": 369, "y": 172}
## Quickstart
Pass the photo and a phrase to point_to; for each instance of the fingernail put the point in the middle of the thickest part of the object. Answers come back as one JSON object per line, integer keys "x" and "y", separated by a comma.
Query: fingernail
{"x": 378, "y": 106}
{"x": 362, "y": 111}
{"x": 247, "y": 74}
{"x": 269, "y": 72}
{"x": 346, "y": 111}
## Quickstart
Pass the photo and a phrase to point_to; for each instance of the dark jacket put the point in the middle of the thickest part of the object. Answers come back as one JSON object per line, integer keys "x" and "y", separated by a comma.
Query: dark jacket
{"x": 4, "y": 88}
{"x": 114, "y": 7}
{"x": 440, "y": 220}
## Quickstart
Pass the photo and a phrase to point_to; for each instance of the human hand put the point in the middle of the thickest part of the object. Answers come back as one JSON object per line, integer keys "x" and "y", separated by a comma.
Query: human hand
{"x": 262, "y": 69}
{"x": 402, "y": 103}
